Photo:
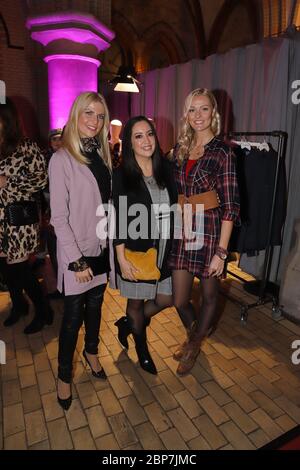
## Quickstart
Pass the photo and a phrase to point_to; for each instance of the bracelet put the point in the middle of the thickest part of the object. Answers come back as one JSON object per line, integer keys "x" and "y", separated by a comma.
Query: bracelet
{"x": 79, "y": 265}
{"x": 222, "y": 250}
{"x": 221, "y": 253}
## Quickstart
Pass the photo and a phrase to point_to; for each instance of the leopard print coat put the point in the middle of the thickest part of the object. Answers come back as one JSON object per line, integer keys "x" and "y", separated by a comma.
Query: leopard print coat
{"x": 26, "y": 173}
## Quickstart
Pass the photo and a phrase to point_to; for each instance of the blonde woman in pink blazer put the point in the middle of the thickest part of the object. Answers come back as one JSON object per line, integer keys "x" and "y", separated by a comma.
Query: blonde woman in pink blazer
{"x": 80, "y": 182}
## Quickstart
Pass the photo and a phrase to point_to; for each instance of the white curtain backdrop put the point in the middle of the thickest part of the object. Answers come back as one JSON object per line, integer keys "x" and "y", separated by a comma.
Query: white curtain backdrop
{"x": 250, "y": 84}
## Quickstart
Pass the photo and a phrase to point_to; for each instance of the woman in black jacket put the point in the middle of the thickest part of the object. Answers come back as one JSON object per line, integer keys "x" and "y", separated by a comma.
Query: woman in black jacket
{"x": 143, "y": 193}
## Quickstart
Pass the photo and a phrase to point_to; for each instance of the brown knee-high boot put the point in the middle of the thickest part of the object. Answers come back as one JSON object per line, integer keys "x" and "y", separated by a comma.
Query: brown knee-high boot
{"x": 177, "y": 355}
{"x": 191, "y": 352}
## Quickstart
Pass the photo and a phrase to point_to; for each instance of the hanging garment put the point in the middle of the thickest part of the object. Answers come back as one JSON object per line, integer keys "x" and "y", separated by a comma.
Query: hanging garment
{"x": 256, "y": 171}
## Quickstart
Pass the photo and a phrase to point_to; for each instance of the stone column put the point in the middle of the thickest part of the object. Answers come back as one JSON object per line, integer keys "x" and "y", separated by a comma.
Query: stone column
{"x": 72, "y": 42}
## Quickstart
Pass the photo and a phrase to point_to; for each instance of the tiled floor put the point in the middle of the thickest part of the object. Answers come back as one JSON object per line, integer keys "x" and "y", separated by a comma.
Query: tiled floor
{"x": 242, "y": 393}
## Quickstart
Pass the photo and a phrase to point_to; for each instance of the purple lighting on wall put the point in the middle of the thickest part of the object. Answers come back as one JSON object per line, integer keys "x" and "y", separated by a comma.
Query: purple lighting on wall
{"x": 72, "y": 26}
{"x": 72, "y": 34}
{"x": 68, "y": 76}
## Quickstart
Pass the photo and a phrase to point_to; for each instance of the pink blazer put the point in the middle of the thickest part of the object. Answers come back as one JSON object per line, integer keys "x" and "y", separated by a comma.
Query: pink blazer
{"x": 74, "y": 199}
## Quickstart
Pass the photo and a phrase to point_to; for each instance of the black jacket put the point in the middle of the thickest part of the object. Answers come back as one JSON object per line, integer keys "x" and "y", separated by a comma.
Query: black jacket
{"x": 140, "y": 196}
{"x": 256, "y": 177}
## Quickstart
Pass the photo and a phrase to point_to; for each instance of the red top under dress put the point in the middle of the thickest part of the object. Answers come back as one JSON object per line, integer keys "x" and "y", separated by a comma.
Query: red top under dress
{"x": 189, "y": 166}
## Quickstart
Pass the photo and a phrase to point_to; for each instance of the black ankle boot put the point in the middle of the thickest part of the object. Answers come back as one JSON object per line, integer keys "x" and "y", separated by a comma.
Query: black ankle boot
{"x": 48, "y": 315}
{"x": 16, "y": 313}
{"x": 37, "y": 324}
{"x": 40, "y": 320}
{"x": 141, "y": 347}
{"x": 12, "y": 318}
{"x": 123, "y": 330}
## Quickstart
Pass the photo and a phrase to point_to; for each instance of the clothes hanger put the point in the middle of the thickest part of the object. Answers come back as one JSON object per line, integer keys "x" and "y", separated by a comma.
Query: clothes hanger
{"x": 264, "y": 145}
{"x": 242, "y": 143}
{"x": 245, "y": 144}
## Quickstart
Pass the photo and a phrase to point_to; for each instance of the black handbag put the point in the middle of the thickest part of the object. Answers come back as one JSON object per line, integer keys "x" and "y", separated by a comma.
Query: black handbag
{"x": 99, "y": 264}
{"x": 22, "y": 213}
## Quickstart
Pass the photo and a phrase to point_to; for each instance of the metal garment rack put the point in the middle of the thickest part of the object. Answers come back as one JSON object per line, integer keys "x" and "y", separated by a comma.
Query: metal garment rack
{"x": 263, "y": 296}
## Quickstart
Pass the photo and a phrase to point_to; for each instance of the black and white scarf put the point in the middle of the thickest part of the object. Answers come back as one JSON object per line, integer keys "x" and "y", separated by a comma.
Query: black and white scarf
{"x": 90, "y": 144}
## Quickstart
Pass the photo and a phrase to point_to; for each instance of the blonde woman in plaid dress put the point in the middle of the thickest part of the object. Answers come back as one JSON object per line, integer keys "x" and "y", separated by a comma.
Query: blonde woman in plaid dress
{"x": 202, "y": 164}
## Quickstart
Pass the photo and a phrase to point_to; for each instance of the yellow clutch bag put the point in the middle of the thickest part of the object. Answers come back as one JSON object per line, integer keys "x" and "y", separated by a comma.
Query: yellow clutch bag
{"x": 146, "y": 262}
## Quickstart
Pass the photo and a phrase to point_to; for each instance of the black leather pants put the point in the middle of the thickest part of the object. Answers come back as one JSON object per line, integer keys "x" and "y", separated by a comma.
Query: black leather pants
{"x": 79, "y": 308}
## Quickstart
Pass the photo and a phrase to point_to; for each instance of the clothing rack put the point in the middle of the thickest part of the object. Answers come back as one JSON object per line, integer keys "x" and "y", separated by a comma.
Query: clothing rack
{"x": 263, "y": 296}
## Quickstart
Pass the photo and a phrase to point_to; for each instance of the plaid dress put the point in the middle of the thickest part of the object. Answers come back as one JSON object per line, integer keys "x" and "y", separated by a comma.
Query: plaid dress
{"x": 214, "y": 170}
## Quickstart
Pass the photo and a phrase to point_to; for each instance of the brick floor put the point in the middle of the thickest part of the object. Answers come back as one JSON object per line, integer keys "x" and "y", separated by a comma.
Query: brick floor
{"x": 243, "y": 392}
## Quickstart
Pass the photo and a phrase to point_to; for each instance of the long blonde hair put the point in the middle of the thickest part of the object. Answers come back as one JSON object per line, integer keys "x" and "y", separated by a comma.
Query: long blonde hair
{"x": 71, "y": 137}
{"x": 186, "y": 132}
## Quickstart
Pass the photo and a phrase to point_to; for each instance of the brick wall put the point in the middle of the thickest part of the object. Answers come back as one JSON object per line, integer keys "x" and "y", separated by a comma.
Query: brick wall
{"x": 2, "y": 45}
{"x": 16, "y": 67}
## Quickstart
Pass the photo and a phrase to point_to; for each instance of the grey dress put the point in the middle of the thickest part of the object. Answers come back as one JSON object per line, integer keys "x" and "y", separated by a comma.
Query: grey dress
{"x": 143, "y": 290}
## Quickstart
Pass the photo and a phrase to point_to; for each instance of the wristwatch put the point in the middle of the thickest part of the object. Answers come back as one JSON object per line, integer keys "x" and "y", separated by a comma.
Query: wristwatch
{"x": 222, "y": 253}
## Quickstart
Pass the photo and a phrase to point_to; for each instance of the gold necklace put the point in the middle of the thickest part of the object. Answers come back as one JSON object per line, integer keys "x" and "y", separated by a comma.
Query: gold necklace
{"x": 196, "y": 152}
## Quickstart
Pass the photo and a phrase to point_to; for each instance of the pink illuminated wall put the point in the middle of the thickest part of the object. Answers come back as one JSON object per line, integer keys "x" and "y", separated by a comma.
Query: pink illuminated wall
{"x": 68, "y": 76}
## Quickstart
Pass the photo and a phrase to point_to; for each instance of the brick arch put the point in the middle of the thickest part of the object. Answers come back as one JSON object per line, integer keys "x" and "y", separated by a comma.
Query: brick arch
{"x": 126, "y": 36}
{"x": 7, "y": 36}
{"x": 2, "y": 42}
{"x": 163, "y": 34}
{"x": 138, "y": 48}
{"x": 254, "y": 11}
{"x": 195, "y": 10}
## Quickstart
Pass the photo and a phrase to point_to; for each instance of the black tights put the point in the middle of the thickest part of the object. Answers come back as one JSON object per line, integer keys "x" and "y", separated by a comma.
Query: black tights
{"x": 182, "y": 288}
{"x": 13, "y": 285}
{"x": 152, "y": 307}
{"x": 20, "y": 276}
{"x": 140, "y": 312}
{"x": 135, "y": 313}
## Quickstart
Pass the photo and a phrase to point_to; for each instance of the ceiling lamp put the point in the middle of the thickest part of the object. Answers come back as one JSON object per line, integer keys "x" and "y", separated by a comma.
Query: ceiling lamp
{"x": 125, "y": 80}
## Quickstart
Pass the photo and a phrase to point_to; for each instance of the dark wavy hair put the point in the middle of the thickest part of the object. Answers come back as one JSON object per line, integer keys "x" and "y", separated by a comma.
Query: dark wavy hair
{"x": 10, "y": 134}
{"x": 133, "y": 175}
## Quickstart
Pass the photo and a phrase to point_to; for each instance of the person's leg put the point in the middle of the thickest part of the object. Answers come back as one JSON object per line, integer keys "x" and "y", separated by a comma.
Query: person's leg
{"x": 182, "y": 282}
{"x": 137, "y": 324}
{"x": 152, "y": 307}
{"x": 133, "y": 320}
{"x": 43, "y": 313}
{"x": 135, "y": 314}
{"x": 71, "y": 323}
{"x": 182, "y": 292}
{"x": 92, "y": 319}
{"x": 208, "y": 310}
{"x": 15, "y": 288}
{"x": 123, "y": 331}
{"x": 210, "y": 288}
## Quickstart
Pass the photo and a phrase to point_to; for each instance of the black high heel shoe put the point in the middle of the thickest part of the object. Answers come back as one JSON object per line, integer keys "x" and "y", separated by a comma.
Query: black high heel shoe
{"x": 123, "y": 330}
{"x": 65, "y": 403}
{"x": 99, "y": 375}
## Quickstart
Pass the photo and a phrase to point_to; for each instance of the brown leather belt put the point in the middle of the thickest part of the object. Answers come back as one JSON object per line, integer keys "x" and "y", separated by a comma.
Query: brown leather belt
{"x": 209, "y": 199}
